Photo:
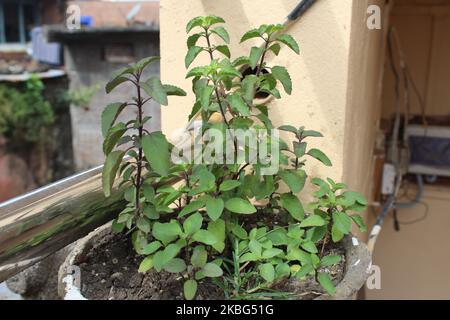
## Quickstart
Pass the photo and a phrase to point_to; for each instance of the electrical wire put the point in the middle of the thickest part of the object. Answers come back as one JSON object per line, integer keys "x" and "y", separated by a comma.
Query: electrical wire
{"x": 424, "y": 216}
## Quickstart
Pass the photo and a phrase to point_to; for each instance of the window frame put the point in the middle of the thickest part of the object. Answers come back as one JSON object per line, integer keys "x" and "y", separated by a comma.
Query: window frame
{"x": 20, "y": 21}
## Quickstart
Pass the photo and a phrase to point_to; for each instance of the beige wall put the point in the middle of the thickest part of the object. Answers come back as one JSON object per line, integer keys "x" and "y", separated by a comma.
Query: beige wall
{"x": 364, "y": 97}
{"x": 319, "y": 74}
{"x": 424, "y": 37}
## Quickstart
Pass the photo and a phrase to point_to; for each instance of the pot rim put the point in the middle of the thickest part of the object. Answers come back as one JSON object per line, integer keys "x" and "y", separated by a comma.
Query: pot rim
{"x": 357, "y": 268}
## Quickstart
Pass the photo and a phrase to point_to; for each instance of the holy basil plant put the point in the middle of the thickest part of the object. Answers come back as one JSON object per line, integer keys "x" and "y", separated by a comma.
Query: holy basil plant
{"x": 244, "y": 229}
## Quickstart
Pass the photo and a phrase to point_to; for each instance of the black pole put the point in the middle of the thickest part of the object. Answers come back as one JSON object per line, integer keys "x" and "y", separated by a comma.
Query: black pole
{"x": 300, "y": 9}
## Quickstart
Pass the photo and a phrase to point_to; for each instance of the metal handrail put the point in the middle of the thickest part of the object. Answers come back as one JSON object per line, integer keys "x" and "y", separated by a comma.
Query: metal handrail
{"x": 43, "y": 221}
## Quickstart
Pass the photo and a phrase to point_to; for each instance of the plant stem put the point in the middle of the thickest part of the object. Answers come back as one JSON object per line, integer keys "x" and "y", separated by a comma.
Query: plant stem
{"x": 140, "y": 156}
{"x": 263, "y": 56}
{"x": 216, "y": 90}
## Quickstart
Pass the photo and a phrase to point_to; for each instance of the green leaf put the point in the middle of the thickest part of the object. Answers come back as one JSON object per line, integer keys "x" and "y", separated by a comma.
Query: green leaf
{"x": 111, "y": 85}
{"x": 272, "y": 252}
{"x": 342, "y": 222}
{"x": 143, "y": 63}
{"x": 206, "y": 96}
{"x": 154, "y": 88}
{"x": 330, "y": 260}
{"x": 217, "y": 228}
{"x": 296, "y": 254}
{"x": 151, "y": 247}
{"x": 255, "y": 56}
{"x": 299, "y": 149}
{"x": 239, "y": 232}
{"x": 275, "y": 48}
{"x": 304, "y": 271}
{"x": 228, "y": 185}
{"x": 278, "y": 237}
{"x": 112, "y": 163}
{"x": 192, "y": 40}
{"x": 289, "y": 41}
{"x": 267, "y": 272}
{"x": 212, "y": 19}
{"x": 175, "y": 265}
{"x": 199, "y": 257}
{"x": 212, "y": 270}
{"x": 282, "y": 75}
{"x": 221, "y": 32}
{"x": 143, "y": 225}
{"x": 293, "y": 205}
{"x": 237, "y": 103}
{"x": 255, "y": 247}
{"x": 289, "y": 128}
{"x": 325, "y": 281}
{"x": 113, "y": 136}
{"x": 336, "y": 235}
{"x": 238, "y": 205}
{"x": 191, "y": 207}
{"x": 355, "y": 197}
{"x": 214, "y": 208}
{"x": 110, "y": 114}
{"x": 313, "y": 221}
{"x": 249, "y": 87}
{"x": 319, "y": 155}
{"x": 156, "y": 150}
{"x": 195, "y": 22}
{"x": 117, "y": 227}
{"x": 190, "y": 289}
{"x": 250, "y": 34}
{"x": 240, "y": 61}
{"x": 359, "y": 222}
{"x": 146, "y": 264}
{"x": 174, "y": 90}
{"x": 224, "y": 50}
{"x": 295, "y": 181}
{"x": 282, "y": 270}
{"x": 161, "y": 258}
{"x": 193, "y": 223}
{"x": 192, "y": 53}
{"x": 149, "y": 193}
{"x": 309, "y": 246}
{"x": 197, "y": 72}
{"x": 166, "y": 232}
{"x": 249, "y": 256}
{"x": 311, "y": 133}
{"x": 204, "y": 236}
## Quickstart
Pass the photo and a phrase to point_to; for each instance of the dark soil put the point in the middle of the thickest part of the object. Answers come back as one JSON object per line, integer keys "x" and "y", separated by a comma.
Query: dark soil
{"x": 109, "y": 271}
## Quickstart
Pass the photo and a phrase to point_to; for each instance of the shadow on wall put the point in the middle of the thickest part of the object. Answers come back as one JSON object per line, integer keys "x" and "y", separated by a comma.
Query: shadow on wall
{"x": 325, "y": 74}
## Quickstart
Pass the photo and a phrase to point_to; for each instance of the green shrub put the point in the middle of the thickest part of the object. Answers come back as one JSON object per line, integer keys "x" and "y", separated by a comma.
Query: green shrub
{"x": 208, "y": 226}
{"x": 24, "y": 113}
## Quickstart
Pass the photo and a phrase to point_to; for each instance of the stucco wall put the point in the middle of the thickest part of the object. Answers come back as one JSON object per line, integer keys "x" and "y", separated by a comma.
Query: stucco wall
{"x": 364, "y": 96}
{"x": 319, "y": 74}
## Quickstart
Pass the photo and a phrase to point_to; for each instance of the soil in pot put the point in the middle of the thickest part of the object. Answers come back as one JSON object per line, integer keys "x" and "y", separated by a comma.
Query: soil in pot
{"x": 109, "y": 271}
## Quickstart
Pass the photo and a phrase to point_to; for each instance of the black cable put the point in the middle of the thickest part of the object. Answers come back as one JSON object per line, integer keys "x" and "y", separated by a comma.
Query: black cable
{"x": 396, "y": 222}
{"x": 424, "y": 216}
{"x": 300, "y": 9}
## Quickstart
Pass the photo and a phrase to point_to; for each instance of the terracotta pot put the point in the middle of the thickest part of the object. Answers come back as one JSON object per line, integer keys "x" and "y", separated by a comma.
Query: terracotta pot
{"x": 358, "y": 262}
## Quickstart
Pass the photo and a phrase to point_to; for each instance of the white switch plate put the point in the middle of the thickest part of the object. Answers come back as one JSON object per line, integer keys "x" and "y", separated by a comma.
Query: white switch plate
{"x": 388, "y": 181}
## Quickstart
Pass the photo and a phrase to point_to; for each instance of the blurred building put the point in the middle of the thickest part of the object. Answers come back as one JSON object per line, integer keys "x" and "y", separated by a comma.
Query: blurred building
{"x": 111, "y": 35}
